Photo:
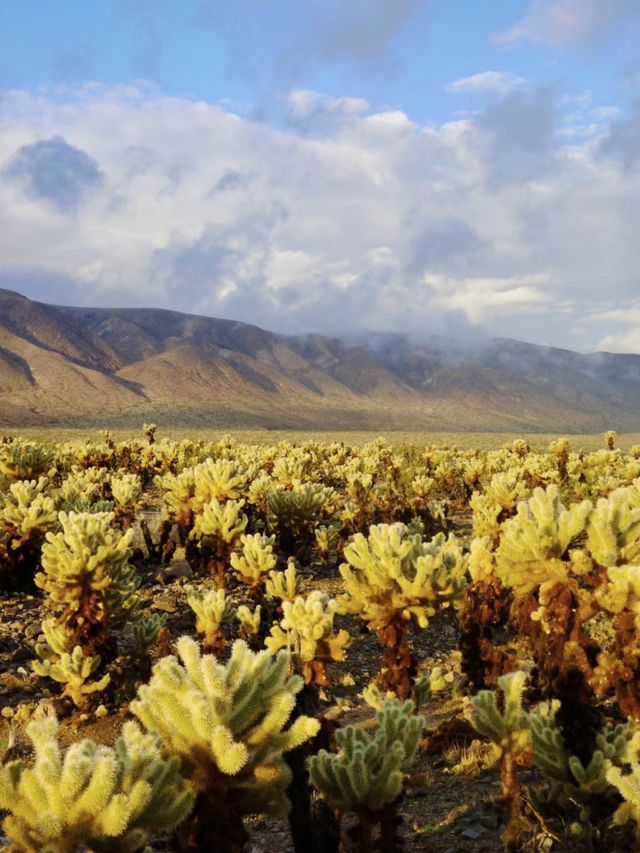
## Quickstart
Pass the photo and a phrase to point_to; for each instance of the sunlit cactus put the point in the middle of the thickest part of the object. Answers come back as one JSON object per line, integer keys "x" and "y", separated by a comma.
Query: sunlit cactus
{"x": 254, "y": 562}
{"x": 219, "y": 480}
{"x": 212, "y": 608}
{"x": 90, "y": 796}
{"x": 27, "y": 513}
{"x": 284, "y": 585}
{"x": 613, "y": 528}
{"x": 393, "y": 579}
{"x": 249, "y": 622}
{"x": 535, "y": 545}
{"x": 217, "y": 531}
{"x": 74, "y": 670}
{"x": 126, "y": 490}
{"x": 88, "y": 579}
{"x": 307, "y": 628}
{"x": 227, "y": 724}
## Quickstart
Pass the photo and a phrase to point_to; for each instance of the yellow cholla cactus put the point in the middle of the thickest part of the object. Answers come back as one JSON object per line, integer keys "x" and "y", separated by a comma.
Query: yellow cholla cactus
{"x": 284, "y": 585}
{"x": 126, "y": 490}
{"x": 212, "y": 608}
{"x": 74, "y": 671}
{"x": 219, "y": 521}
{"x": 111, "y": 799}
{"x": 536, "y": 543}
{"x": 249, "y": 622}
{"x": 391, "y": 573}
{"x": 621, "y": 591}
{"x": 307, "y": 627}
{"x": 613, "y": 528}
{"x": 227, "y": 724}
{"x": 220, "y": 480}
{"x": 255, "y": 562}
{"x": 87, "y": 575}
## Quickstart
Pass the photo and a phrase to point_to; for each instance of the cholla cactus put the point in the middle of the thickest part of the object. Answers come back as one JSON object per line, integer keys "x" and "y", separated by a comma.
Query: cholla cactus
{"x": 219, "y": 480}
{"x": 577, "y": 780}
{"x": 91, "y": 796}
{"x": 536, "y": 544}
{"x": 496, "y": 504}
{"x": 368, "y": 774}
{"x": 284, "y": 585}
{"x": 145, "y": 633}
{"x": 88, "y": 578}
{"x": 295, "y": 513}
{"x": 178, "y": 492}
{"x": 126, "y": 490}
{"x": 307, "y": 626}
{"x": 212, "y": 608}
{"x": 255, "y": 562}
{"x": 509, "y": 731}
{"x": 249, "y": 622}
{"x": 226, "y": 722}
{"x": 149, "y": 431}
{"x": 218, "y": 531}
{"x": 27, "y": 513}
{"x": 327, "y": 538}
{"x": 74, "y": 671}
{"x": 613, "y": 528}
{"x": 24, "y": 461}
{"x": 393, "y": 579}
{"x": 628, "y": 784}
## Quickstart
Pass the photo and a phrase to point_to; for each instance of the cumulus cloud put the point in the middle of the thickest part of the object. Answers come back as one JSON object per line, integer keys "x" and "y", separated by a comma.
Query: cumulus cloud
{"x": 569, "y": 23}
{"x": 487, "y": 82}
{"x": 350, "y": 218}
{"x": 53, "y": 171}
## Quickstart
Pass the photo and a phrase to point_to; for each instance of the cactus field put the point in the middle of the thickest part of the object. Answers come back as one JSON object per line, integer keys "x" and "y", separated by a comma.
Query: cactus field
{"x": 322, "y": 645}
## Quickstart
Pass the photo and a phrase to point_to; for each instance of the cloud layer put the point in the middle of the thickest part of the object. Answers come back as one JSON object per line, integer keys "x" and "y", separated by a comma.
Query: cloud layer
{"x": 516, "y": 221}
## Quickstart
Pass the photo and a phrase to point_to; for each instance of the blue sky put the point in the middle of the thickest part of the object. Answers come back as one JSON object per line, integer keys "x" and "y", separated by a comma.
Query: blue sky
{"x": 422, "y": 165}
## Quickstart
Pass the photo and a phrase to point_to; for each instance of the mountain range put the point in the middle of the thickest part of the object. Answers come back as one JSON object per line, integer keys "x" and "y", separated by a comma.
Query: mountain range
{"x": 114, "y": 367}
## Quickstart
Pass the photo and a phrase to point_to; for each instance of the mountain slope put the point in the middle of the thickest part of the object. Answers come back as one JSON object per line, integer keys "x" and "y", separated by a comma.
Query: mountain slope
{"x": 100, "y": 366}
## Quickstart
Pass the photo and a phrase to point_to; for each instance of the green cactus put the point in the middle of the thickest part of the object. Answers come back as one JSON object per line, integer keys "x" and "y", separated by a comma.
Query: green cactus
{"x": 109, "y": 800}
{"x": 226, "y": 722}
{"x": 509, "y": 731}
{"x": 22, "y": 460}
{"x": 369, "y": 772}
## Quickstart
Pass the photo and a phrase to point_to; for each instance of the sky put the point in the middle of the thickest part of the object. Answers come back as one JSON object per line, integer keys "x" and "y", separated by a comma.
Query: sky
{"x": 420, "y": 166}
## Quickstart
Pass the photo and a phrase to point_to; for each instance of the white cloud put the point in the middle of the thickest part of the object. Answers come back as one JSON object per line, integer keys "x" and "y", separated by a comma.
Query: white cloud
{"x": 568, "y": 23}
{"x": 487, "y": 82}
{"x": 366, "y": 221}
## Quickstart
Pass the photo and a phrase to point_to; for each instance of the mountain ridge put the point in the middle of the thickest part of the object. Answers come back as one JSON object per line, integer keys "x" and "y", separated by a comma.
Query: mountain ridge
{"x": 68, "y": 365}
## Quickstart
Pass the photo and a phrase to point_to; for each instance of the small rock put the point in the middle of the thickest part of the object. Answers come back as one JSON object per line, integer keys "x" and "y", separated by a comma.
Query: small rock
{"x": 101, "y": 711}
{"x": 7, "y": 712}
{"x": 164, "y": 604}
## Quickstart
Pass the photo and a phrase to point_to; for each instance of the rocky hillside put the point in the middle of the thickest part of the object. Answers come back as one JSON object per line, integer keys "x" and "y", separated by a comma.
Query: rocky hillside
{"x": 118, "y": 367}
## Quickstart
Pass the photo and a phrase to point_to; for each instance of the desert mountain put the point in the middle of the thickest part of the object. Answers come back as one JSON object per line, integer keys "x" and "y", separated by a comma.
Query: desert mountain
{"x": 112, "y": 367}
